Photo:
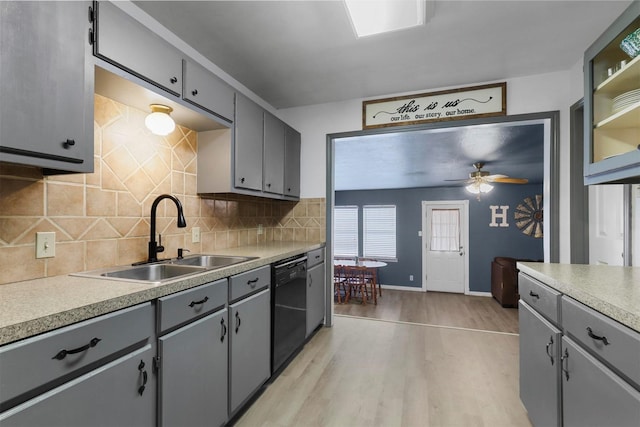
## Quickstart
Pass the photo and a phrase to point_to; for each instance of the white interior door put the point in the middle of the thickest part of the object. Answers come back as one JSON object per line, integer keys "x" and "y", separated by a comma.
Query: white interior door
{"x": 445, "y": 238}
{"x": 606, "y": 224}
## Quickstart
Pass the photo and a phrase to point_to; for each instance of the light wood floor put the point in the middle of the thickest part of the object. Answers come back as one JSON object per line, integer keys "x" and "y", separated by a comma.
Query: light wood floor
{"x": 387, "y": 373}
{"x": 437, "y": 308}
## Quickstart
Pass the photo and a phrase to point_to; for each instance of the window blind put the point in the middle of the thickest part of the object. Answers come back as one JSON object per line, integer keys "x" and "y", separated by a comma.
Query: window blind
{"x": 345, "y": 230}
{"x": 379, "y": 231}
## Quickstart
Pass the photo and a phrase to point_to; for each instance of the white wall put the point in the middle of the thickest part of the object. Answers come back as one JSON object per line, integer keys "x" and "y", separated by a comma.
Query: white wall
{"x": 531, "y": 94}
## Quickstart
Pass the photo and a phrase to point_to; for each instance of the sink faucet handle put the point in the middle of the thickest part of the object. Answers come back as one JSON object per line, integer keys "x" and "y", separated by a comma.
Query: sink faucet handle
{"x": 160, "y": 248}
{"x": 180, "y": 251}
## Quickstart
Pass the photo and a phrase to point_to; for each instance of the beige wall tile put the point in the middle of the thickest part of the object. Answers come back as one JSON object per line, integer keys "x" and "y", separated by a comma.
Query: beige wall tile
{"x": 21, "y": 197}
{"x": 102, "y": 219}
{"x": 65, "y": 200}
{"x": 101, "y": 254}
{"x": 70, "y": 258}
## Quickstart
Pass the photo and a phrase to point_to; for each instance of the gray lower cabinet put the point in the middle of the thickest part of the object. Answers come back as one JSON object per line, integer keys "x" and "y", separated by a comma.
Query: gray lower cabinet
{"x": 250, "y": 347}
{"x": 120, "y": 393}
{"x": 124, "y": 42}
{"x": 293, "y": 139}
{"x": 46, "y": 108}
{"x": 540, "y": 387}
{"x": 248, "y": 125}
{"x": 592, "y": 395}
{"x": 193, "y": 374}
{"x": 315, "y": 297}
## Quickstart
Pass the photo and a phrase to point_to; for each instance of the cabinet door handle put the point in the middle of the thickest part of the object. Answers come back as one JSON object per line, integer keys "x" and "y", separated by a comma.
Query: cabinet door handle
{"x": 533, "y": 294}
{"x": 549, "y": 344}
{"x": 310, "y": 280}
{"x": 173, "y": 80}
{"x": 253, "y": 282}
{"x": 242, "y": 180}
{"x": 63, "y": 353}
{"x": 202, "y": 301}
{"x": 223, "y": 330}
{"x": 604, "y": 339}
{"x": 238, "y": 321}
{"x": 69, "y": 143}
{"x": 194, "y": 92}
{"x": 144, "y": 377}
{"x": 564, "y": 357}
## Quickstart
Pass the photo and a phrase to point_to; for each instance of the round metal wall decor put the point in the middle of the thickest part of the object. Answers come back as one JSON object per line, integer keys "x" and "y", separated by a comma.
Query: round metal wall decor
{"x": 528, "y": 216}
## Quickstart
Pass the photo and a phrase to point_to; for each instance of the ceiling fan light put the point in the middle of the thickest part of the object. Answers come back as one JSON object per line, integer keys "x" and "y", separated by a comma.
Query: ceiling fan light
{"x": 479, "y": 187}
{"x": 159, "y": 122}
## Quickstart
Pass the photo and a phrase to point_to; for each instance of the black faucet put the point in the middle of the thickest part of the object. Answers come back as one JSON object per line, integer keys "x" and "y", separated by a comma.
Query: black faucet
{"x": 153, "y": 245}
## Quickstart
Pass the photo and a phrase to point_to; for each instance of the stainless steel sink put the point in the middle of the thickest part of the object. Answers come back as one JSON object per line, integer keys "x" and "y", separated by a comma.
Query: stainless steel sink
{"x": 163, "y": 271}
{"x": 148, "y": 273}
{"x": 212, "y": 261}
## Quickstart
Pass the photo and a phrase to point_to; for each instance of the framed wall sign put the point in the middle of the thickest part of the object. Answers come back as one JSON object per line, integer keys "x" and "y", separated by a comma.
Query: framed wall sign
{"x": 455, "y": 104}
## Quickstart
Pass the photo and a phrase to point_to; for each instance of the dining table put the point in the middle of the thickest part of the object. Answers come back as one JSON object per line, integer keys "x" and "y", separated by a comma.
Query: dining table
{"x": 371, "y": 267}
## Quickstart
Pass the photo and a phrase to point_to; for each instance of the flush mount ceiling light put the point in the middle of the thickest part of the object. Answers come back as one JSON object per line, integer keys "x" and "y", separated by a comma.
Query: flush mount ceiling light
{"x": 159, "y": 122}
{"x": 369, "y": 17}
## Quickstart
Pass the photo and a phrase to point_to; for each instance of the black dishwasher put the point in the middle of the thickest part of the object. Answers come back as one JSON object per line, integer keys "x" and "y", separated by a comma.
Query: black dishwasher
{"x": 288, "y": 310}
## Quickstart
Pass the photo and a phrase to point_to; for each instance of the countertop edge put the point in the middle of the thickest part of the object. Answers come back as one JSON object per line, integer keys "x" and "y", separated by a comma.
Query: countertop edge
{"x": 123, "y": 294}
{"x": 560, "y": 281}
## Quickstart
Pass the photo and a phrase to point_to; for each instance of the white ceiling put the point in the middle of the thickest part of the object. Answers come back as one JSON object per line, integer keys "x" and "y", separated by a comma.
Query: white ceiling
{"x": 297, "y": 53}
{"x": 294, "y": 53}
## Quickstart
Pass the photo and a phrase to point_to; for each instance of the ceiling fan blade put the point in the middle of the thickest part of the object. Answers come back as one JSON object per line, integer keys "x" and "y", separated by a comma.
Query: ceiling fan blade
{"x": 507, "y": 180}
{"x": 459, "y": 180}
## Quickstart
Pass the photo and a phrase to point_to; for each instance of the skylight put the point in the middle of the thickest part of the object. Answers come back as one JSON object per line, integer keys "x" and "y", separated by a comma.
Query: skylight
{"x": 369, "y": 17}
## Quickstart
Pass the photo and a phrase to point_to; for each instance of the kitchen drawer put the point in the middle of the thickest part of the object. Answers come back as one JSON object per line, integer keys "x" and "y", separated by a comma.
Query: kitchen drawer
{"x": 621, "y": 350}
{"x": 34, "y": 362}
{"x": 315, "y": 257}
{"x": 247, "y": 283}
{"x": 177, "y": 309}
{"x": 542, "y": 298}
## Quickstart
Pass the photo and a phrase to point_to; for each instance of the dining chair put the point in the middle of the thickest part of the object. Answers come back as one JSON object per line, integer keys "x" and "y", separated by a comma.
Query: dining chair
{"x": 340, "y": 287}
{"x": 358, "y": 284}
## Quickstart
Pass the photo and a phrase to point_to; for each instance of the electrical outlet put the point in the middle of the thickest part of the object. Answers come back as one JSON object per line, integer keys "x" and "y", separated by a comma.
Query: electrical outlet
{"x": 45, "y": 244}
{"x": 260, "y": 229}
{"x": 411, "y": 277}
{"x": 195, "y": 235}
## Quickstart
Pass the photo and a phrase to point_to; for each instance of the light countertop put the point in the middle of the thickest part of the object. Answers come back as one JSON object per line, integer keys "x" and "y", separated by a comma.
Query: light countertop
{"x": 32, "y": 307}
{"x": 613, "y": 291}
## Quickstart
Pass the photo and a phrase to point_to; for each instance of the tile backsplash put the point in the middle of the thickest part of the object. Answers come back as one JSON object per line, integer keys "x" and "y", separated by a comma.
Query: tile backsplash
{"x": 102, "y": 219}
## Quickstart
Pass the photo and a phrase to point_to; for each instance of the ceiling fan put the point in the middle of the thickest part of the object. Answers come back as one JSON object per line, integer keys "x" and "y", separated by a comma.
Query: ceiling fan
{"x": 479, "y": 180}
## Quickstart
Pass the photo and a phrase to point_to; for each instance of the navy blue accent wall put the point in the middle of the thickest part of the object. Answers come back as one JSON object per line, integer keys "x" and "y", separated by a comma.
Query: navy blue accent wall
{"x": 485, "y": 242}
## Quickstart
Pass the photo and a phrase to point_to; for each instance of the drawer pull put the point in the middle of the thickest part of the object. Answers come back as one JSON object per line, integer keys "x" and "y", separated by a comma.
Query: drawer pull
{"x": 533, "y": 294}
{"x": 564, "y": 357}
{"x": 202, "y": 301}
{"x": 238, "y": 321}
{"x": 224, "y": 330}
{"x": 596, "y": 337}
{"x": 549, "y": 344}
{"x": 144, "y": 377}
{"x": 253, "y": 282}
{"x": 63, "y": 353}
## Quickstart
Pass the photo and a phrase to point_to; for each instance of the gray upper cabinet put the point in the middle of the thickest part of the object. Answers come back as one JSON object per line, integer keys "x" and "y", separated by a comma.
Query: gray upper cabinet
{"x": 248, "y": 144}
{"x": 612, "y": 122}
{"x": 274, "y": 134}
{"x": 292, "y": 162}
{"x": 206, "y": 90}
{"x": 46, "y": 107}
{"x": 124, "y": 42}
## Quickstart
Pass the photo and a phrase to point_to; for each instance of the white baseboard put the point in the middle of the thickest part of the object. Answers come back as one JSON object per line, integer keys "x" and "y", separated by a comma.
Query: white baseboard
{"x": 479, "y": 294}
{"x": 414, "y": 289}
{"x": 401, "y": 288}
